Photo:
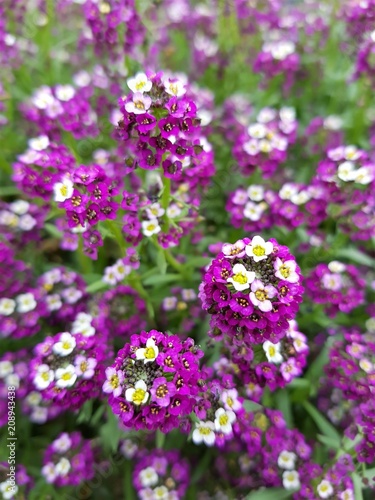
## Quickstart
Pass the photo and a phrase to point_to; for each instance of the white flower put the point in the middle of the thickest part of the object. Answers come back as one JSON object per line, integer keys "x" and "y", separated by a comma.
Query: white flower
{"x": 82, "y": 79}
{"x": 121, "y": 270}
{"x": 39, "y": 143}
{"x": 366, "y": 365}
{"x": 204, "y": 433}
{"x": 346, "y": 171}
{"x": 333, "y": 122}
{"x": 173, "y": 211}
{"x": 148, "y": 477}
{"x": 13, "y": 379}
{"x": 7, "y": 490}
{"x": 148, "y": 353}
{"x": 53, "y": 302}
{"x": 291, "y": 480}
{"x": 224, "y": 420}
{"x": 42, "y": 97}
{"x": 255, "y": 192}
{"x": 242, "y": 278}
{"x": 66, "y": 377}
{"x": 26, "y": 222}
{"x": 266, "y": 115}
{"x": 287, "y": 460}
{"x": 273, "y": 352}
{"x": 301, "y": 197}
{"x": 150, "y": 227}
{"x": 336, "y": 267}
{"x": 82, "y": 325}
{"x": 65, "y": 92}
{"x": 230, "y": 400}
{"x": 240, "y": 197}
{"x": 6, "y": 368}
{"x": 351, "y": 153}
{"x": 257, "y": 131}
{"x": 7, "y": 306}
{"x": 364, "y": 175}
{"x": 62, "y": 443}
{"x": 287, "y": 191}
{"x": 348, "y": 494}
{"x": 71, "y": 295}
{"x": 109, "y": 276}
{"x": 25, "y": 302}
{"x": 65, "y": 345}
{"x": 20, "y": 207}
{"x": 259, "y": 249}
{"x": 287, "y": 114}
{"x": 265, "y": 146}
{"x": 253, "y": 211}
{"x": 281, "y": 50}
{"x": 9, "y": 219}
{"x": 332, "y": 281}
{"x": 324, "y": 489}
{"x": 139, "y": 83}
{"x": 49, "y": 472}
{"x": 137, "y": 395}
{"x": 162, "y": 493}
{"x": 44, "y": 377}
{"x": 174, "y": 87}
{"x": 33, "y": 398}
{"x": 63, "y": 467}
{"x": 155, "y": 210}
{"x": 128, "y": 448}
{"x": 188, "y": 294}
{"x": 286, "y": 270}
{"x": 251, "y": 147}
{"x": 63, "y": 190}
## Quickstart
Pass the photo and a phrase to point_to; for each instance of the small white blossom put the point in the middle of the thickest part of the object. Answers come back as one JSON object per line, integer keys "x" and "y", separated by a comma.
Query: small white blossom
{"x": 20, "y": 207}
{"x": 324, "y": 489}
{"x": 6, "y": 368}
{"x": 7, "y": 306}
{"x": 65, "y": 92}
{"x": 39, "y": 143}
{"x": 150, "y": 227}
{"x": 346, "y": 171}
{"x": 7, "y": 490}
{"x": 259, "y": 249}
{"x": 255, "y": 192}
{"x": 65, "y": 345}
{"x": 204, "y": 433}
{"x": 63, "y": 190}
{"x": 49, "y": 472}
{"x": 148, "y": 353}
{"x": 257, "y": 131}
{"x": 25, "y": 302}
{"x": 224, "y": 420}
{"x": 287, "y": 460}
{"x": 241, "y": 278}
{"x": 66, "y": 377}
{"x": 148, "y": 477}
{"x": 63, "y": 467}
{"x": 137, "y": 395}
{"x": 62, "y": 443}
{"x": 291, "y": 480}
{"x": 273, "y": 352}
{"x": 336, "y": 267}
{"x": 44, "y": 377}
{"x": 139, "y": 83}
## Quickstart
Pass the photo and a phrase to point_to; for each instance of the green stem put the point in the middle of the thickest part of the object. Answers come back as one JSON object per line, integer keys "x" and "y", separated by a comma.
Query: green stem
{"x": 159, "y": 439}
{"x": 135, "y": 282}
{"x": 84, "y": 262}
{"x": 128, "y": 488}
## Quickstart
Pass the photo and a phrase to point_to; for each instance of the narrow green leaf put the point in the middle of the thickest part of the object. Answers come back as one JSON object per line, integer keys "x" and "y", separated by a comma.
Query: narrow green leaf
{"x": 162, "y": 279}
{"x": 283, "y": 404}
{"x": 251, "y": 405}
{"x": 96, "y": 286}
{"x": 53, "y": 231}
{"x": 356, "y": 256}
{"x": 328, "y": 441}
{"x": 161, "y": 261}
{"x": 357, "y": 483}
{"x": 322, "y": 423}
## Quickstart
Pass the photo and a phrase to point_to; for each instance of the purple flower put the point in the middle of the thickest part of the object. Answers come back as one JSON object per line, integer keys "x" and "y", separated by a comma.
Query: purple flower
{"x": 162, "y": 391}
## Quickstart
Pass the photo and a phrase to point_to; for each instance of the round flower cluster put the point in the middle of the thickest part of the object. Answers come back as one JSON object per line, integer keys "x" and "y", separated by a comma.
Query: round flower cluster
{"x": 161, "y": 474}
{"x": 277, "y": 57}
{"x": 252, "y": 287}
{"x": 68, "y": 460}
{"x": 62, "y": 108}
{"x": 154, "y": 381}
{"x": 64, "y": 294}
{"x": 270, "y": 364}
{"x": 336, "y": 285}
{"x": 68, "y": 369}
{"x": 121, "y": 312}
{"x": 264, "y": 143}
{"x": 160, "y": 125}
{"x": 42, "y": 166}
{"x": 255, "y": 208}
{"x": 21, "y": 222}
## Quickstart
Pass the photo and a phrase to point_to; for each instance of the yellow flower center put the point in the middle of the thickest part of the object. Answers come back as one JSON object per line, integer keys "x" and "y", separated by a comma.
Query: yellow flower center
{"x": 285, "y": 271}
{"x": 240, "y": 278}
{"x": 151, "y": 227}
{"x": 205, "y": 431}
{"x": 67, "y": 376}
{"x": 223, "y": 419}
{"x": 261, "y": 295}
{"x": 83, "y": 366}
{"x": 45, "y": 376}
{"x": 149, "y": 353}
{"x": 64, "y": 190}
{"x": 140, "y": 85}
{"x": 138, "y": 396}
{"x": 66, "y": 345}
{"x": 271, "y": 351}
{"x": 259, "y": 251}
{"x": 139, "y": 105}
{"x": 230, "y": 402}
{"x": 114, "y": 381}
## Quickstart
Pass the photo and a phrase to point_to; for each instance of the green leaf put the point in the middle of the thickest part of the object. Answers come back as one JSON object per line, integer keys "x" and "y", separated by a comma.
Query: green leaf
{"x": 356, "y": 256}
{"x": 162, "y": 279}
{"x": 161, "y": 261}
{"x": 197, "y": 262}
{"x": 85, "y": 412}
{"x": 328, "y": 441}
{"x": 357, "y": 483}
{"x": 251, "y": 405}
{"x": 96, "y": 286}
{"x": 270, "y": 494}
{"x": 322, "y": 423}
{"x": 283, "y": 404}
{"x": 110, "y": 432}
{"x": 53, "y": 231}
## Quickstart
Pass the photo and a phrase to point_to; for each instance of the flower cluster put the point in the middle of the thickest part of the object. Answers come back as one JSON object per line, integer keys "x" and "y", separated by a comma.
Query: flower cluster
{"x": 264, "y": 142}
{"x": 252, "y": 287}
{"x": 161, "y": 474}
{"x": 21, "y": 222}
{"x": 338, "y": 286}
{"x": 68, "y": 460}
{"x": 68, "y": 368}
{"x": 154, "y": 381}
{"x": 23, "y": 482}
